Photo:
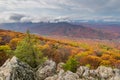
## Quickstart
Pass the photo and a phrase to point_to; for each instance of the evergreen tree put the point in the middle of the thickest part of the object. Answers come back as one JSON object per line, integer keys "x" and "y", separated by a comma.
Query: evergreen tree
{"x": 28, "y": 51}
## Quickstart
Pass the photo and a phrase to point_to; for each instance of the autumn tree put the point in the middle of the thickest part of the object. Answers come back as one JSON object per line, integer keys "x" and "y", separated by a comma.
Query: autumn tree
{"x": 13, "y": 43}
{"x": 4, "y": 50}
{"x": 27, "y": 50}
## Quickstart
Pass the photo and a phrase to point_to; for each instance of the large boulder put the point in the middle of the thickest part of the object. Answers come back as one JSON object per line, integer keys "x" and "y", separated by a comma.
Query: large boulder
{"x": 46, "y": 70}
{"x": 104, "y": 72}
{"x": 13, "y": 69}
{"x": 107, "y": 73}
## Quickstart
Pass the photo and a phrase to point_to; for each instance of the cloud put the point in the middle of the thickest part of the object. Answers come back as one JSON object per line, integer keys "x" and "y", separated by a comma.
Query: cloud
{"x": 35, "y": 10}
{"x": 16, "y": 17}
{"x": 21, "y": 4}
{"x": 10, "y": 17}
{"x": 20, "y": 17}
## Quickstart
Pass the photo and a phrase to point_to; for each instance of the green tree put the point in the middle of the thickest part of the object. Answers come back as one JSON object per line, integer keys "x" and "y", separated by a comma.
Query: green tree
{"x": 27, "y": 50}
{"x": 71, "y": 64}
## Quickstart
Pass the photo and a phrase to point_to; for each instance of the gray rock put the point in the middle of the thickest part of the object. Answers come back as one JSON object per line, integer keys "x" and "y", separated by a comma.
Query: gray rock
{"x": 60, "y": 66}
{"x": 60, "y": 74}
{"x": 104, "y": 72}
{"x": 13, "y": 69}
{"x": 48, "y": 69}
{"x": 83, "y": 71}
{"x": 116, "y": 75}
{"x": 64, "y": 76}
{"x": 55, "y": 77}
{"x": 70, "y": 76}
{"x": 86, "y": 74}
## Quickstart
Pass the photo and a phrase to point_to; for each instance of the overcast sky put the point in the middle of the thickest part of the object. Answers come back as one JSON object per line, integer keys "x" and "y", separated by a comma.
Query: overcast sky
{"x": 37, "y": 10}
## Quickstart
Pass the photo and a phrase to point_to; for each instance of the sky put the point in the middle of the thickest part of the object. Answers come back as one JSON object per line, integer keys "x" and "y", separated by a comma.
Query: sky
{"x": 43, "y": 10}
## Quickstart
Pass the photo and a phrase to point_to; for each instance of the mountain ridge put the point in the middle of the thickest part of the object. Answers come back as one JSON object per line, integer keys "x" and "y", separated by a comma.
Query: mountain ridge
{"x": 61, "y": 29}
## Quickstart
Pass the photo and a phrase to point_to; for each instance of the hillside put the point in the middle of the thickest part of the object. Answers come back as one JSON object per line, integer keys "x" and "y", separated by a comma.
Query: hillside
{"x": 93, "y": 53}
{"x": 113, "y": 28}
{"x": 61, "y": 29}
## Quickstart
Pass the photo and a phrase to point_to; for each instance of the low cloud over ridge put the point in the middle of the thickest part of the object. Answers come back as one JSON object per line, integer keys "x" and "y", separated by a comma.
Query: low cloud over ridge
{"x": 74, "y": 9}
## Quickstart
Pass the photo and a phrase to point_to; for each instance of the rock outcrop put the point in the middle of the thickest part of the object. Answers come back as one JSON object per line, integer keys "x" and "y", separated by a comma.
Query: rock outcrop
{"x": 46, "y": 70}
{"x": 14, "y": 69}
{"x": 84, "y": 73}
{"x": 62, "y": 75}
{"x": 101, "y": 73}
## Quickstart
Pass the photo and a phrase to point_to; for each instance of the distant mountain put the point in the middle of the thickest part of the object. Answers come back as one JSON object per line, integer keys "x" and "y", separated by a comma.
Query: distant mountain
{"x": 113, "y": 28}
{"x": 61, "y": 29}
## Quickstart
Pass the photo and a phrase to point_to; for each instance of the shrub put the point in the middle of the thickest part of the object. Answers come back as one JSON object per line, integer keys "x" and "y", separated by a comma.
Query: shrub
{"x": 13, "y": 43}
{"x": 4, "y": 50}
{"x": 105, "y": 63}
{"x": 98, "y": 53}
{"x": 102, "y": 46}
{"x": 3, "y": 57}
{"x": 71, "y": 64}
{"x": 106, "y": 57}
{"x": 117, "y": 64}
{"x": 88, "y": 65}
{"x": 83, "y": 54}
{"x": 94, "y": 61}
{"x": 117, "y": 56}
{"x": 85, "y": 46}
